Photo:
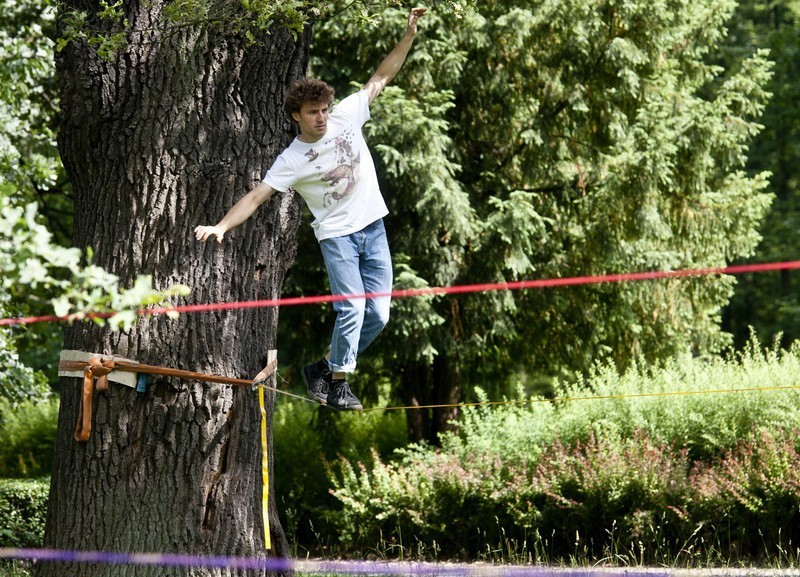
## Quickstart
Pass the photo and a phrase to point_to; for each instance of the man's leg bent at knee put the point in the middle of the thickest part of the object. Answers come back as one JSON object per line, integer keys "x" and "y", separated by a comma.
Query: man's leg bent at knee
{"x": 342, "y": 263}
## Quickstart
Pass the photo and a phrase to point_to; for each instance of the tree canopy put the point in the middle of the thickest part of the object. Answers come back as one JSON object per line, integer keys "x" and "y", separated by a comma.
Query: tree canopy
{"x": 769, "y": 303}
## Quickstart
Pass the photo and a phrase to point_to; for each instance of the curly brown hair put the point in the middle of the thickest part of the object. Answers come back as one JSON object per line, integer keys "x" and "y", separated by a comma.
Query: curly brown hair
{"x": 307, "y": 90}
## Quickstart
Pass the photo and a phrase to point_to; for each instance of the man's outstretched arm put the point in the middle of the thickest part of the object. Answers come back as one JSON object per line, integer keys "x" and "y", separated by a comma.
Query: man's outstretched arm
{"x": 238, "y": 213}
{"x": 391, "y": 65}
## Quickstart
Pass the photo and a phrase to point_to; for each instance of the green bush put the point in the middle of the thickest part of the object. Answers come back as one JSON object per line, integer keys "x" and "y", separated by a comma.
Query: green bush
{"x": 23, "y": 507}
{"x": 580, "y": 494}
{"x": 27, "y": 439}
{"x": 18, "y": 382}
{"x": 752, "y": 494}
{"x": 471, "y": 506}
{"x": 684, "y": 404}
{"x": 429, "y": 500}
{"x": 307, "y": 439}
{"x": 653, "y": 465}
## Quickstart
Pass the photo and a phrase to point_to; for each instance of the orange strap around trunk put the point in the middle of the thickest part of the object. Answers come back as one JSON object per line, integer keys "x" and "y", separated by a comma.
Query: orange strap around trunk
{"x": 100, "y": 368}
{"x": 95, "y": 368}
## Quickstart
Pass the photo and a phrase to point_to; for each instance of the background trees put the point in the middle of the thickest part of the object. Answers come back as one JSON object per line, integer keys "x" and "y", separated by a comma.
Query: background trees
{"x": 544, "y": 190}
{"x": 40, "y": 275}
{"x": 547, "y": 140}
{"x": 769, "y": 303}
{"x": 28, "y": 166}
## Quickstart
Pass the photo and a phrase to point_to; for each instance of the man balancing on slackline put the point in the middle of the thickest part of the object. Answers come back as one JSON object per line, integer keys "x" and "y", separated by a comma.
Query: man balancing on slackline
{"x": 329, "y": 165}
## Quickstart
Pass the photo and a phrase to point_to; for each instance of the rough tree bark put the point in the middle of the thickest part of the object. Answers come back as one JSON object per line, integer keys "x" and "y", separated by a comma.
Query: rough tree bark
{"x": 165, "y": 137}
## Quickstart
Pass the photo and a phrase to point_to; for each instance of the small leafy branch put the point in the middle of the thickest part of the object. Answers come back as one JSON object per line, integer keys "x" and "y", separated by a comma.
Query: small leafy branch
{"x": 75, "y": 25}
{"x": 30, "y": 260}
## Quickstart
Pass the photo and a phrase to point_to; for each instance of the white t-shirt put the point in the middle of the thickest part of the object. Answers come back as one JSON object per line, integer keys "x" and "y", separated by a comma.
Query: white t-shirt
{"x": 335, "y": 175}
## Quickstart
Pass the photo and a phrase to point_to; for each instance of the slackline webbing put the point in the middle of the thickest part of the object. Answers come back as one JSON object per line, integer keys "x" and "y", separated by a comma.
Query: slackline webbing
{"x": 150, "y": 369}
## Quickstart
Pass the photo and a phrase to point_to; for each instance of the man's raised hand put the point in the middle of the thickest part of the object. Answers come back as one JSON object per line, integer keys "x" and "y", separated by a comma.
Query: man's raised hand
{"x": 413, "y": 17}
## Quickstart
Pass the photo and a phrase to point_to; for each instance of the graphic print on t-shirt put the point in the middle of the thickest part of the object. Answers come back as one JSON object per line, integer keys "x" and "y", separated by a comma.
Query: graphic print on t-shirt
{"x": 342, "y": 178}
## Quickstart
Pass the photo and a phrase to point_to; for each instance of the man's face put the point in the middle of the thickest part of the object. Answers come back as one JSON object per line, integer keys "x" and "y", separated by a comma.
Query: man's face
{"x": 313, "y": 120}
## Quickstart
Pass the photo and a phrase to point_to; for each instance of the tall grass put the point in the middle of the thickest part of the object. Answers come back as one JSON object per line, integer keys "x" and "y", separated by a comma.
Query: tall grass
{"x": 14, "y": 569}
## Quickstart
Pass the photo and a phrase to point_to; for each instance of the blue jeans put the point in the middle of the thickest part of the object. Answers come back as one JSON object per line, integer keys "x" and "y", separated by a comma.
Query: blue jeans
{"x": 359, "y": 263}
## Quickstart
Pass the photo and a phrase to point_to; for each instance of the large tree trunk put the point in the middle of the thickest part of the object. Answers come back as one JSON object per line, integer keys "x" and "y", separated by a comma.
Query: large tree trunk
{"x": 163, "y": 138}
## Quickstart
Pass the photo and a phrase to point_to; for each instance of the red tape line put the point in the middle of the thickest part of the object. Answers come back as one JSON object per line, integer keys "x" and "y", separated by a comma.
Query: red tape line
{"x": 429, "y": 291}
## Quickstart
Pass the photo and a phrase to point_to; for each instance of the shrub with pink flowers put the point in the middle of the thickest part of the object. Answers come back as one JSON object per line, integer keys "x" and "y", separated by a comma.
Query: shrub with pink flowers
{"x": 688, "y": 464}
{"x": 752, "y": 494}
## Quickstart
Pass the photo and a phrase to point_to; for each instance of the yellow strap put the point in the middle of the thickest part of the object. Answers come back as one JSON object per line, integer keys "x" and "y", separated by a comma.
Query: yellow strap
{"x": 264, "y": 468}
{"x": 259, "y": 382}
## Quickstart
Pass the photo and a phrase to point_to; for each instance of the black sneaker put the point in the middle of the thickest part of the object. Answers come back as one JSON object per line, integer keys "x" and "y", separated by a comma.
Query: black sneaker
{"x": 341, "y": 398}
{"x": 317, "y": 380}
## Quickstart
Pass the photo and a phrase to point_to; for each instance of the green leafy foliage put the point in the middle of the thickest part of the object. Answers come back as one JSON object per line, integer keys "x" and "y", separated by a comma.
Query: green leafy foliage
{"x": 585, "y": 489}
{"x": 682, "y": 403}
{"x": 30, "y": 260}
{"x": 630, "y": 145}
{"x": 29, "y": 164}
{"x": 107, "y": 27}
{"x": 769, "y": 303}
{"x": 30, "y": 171}
{"x": 107, "y": 38}
{"x": 651, "y": 463}
{"x": 38, "y": 275}
{"x": 756, "y": 484}
{"x": 23, "y": 506}
{"x": 411, "y": 314}
{"x": 307, "y": 440}
{"x": 18, "y": 381}
{"x": 27, "y": 437}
